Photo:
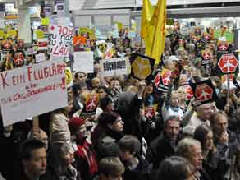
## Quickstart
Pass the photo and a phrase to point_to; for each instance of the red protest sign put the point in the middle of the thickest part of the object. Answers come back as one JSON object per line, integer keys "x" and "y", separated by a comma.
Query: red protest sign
{"x": 228, "y": 63}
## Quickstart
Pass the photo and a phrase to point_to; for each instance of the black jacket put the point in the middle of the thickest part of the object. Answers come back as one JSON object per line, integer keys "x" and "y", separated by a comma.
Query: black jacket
{"x": 160, "y": 148}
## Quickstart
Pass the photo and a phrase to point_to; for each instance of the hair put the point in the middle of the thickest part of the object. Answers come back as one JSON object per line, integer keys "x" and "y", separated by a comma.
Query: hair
{"x": 108, "y": 148}
{"x": 185, "y": 146}
{"x": 28, "y": 147}
{"x": 111, "y": 166}
{"x": 105, "y": 101}
{"x": 215, "y": 117}
{"x": 200, "y": 134}
{"x": 107, "y": 118}
{"x": 170, "y": 118}
{"x": 174, "y": 168}
{"x": 129, "y": 143}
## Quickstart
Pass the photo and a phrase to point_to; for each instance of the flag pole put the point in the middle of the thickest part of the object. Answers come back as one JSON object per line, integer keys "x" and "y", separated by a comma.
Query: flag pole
{"x": 228, "y": 93}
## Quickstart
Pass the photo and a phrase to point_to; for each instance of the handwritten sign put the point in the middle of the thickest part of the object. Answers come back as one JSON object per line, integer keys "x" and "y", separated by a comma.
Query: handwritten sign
{"x": 60, "y": 40}
{"x": 40, "y": 57}
{"x": 83, "y": 62}
{"x": 114, "y": 67}
{"x": 29, "y": 91}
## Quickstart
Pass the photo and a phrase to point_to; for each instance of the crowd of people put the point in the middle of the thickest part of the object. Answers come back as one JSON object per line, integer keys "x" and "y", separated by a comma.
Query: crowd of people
{"x": 125, "y": 128}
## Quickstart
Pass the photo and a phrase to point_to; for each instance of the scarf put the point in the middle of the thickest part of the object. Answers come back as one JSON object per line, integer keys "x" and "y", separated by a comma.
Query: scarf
{"x": 84, "y": 152}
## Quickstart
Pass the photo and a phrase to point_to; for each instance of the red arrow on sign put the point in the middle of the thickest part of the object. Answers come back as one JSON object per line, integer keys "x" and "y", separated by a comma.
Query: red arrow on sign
{"x": 228, "y": 63}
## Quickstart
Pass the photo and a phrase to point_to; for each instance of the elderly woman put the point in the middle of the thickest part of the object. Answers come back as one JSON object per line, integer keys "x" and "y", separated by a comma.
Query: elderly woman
{"x": 191, "y": 150}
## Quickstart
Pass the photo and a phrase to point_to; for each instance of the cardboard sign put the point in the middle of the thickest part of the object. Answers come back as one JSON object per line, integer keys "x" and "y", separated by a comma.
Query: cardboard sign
{"x": 60, "y": 40}
{"x": 114, "y": 66}
{"x": 40, "y": 57}
{"x": 30, "y": 91}
{"x": 83, "y": 62}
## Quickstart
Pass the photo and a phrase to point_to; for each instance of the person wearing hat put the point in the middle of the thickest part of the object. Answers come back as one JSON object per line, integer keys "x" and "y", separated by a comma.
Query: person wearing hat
{"x": 84, "y": 153}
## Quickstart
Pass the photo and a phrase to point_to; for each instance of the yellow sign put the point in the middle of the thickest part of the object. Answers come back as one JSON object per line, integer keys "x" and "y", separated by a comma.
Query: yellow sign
{"x": 2, "y": 34}
{"x": 120, "y": 25}
{"x": 68, "y": 76}
{"x": 40, "y": 34}
{"x": 12, "y": 33}
{"x": 45, "y": 21}
{"x": 141, "y": 68}
{"x": 85, "y": 30}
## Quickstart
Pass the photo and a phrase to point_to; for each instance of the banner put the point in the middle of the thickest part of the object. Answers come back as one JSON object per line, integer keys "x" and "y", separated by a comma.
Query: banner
{"x": 60, "y": 40}
{"x": 83, "y": 62}
{"x": 32, "y": 90}
{"x": 114, "y": 66}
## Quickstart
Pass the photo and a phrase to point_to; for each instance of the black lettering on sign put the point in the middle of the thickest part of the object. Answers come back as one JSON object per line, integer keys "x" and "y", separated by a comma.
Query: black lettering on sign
{"x": 107, "y": 66}
{"x": 114, "y": 65}
{"x": 121, "y": 64}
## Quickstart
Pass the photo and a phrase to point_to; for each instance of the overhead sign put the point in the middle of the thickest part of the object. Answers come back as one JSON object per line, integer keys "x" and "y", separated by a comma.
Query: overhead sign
{"x": 114, "y": 66}
{"x": 228, "y": 63}
{"x": 29, "y": 91}
{"x": 60, "y": 40}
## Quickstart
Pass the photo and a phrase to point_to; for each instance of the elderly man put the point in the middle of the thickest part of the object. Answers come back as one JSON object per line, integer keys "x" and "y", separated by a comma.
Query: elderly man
{"x": 191, "y": 150}
{"x": 227, "y": 145}
{"x": 201, "y": 117}
{"x": 164, "y": 145}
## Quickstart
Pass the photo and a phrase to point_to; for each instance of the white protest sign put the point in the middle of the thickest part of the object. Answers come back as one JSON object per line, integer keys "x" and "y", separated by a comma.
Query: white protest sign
{"x": 29, "y": 91}
{"x": 40, "y": 57}
{"x": 83, "y": 62}
{"x": 114, "y": 67}
{"x": 60, "y": 40}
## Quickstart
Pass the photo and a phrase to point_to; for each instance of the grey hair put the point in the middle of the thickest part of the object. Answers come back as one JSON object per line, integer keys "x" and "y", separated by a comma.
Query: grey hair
{"x": 185, "y": 146}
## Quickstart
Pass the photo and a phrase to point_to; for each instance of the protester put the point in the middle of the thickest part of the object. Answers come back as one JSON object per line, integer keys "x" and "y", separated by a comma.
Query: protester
{"x": 135, "y": 166}
{"x": 165, "y": 144}
{"x": 110, "y": 168}
{"x": 191, "y": 150}
{"x": 175, "y": 168}
{"x": 33, "y": 160}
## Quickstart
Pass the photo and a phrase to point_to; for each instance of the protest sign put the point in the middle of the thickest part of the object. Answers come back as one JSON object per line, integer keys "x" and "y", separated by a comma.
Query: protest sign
{"x": 114, "y": 66}
{"x": 40, "y": 57}
{"x": 83, "y": 62}
{"x": 60, "y": 40}
{"x": 30, "y": 91}
{"x": 204, "y": 91}
{"x": 142, "y": 66}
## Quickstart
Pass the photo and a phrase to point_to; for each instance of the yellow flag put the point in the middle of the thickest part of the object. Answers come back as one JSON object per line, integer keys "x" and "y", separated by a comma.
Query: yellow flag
{"x": 158, "y": 35}
{"x": 147, "y": 12}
